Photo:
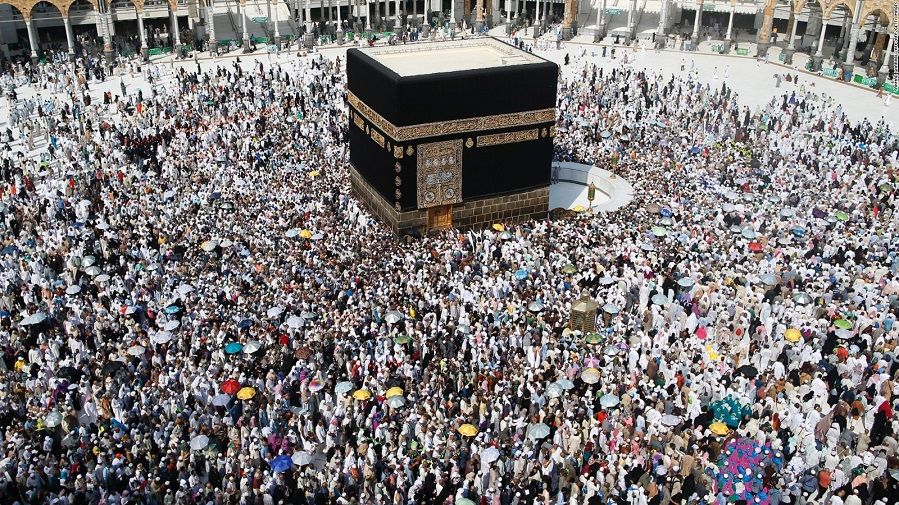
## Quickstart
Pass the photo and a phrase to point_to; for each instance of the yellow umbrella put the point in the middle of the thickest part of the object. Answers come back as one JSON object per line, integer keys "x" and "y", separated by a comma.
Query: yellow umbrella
{"x": 792, "y": 335}
{"x": 590, "y": 375}
{"x": 314, "y": 173}
{"x": 468, "y": 430}
{"x": 246, "y": 393}
{"x": 713, "y": 355}
{"x": 499, "y": 227}
{"x": 394, "y": 391}
{"x": 305, "y": 233}
{"x": 719, "y": 428}
{"x": 579, "y": 208}
{"x": 362, "y": 394}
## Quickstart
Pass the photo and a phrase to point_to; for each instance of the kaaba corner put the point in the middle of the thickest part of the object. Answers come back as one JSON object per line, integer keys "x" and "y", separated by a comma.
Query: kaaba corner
{"x": 454, "y": 134}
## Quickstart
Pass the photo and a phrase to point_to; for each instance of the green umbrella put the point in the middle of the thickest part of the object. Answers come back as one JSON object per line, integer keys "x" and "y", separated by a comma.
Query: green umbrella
{"x": 593, "y": 338}
{"x": 843, "y": 324}
{"x": 886, "y": 187}
{"x": 659, "y": 231}
{"x": 464, "y": 501}
{"x": 569, "y": 269}
{"x": 402, "y": 339}
{"x": 842, "y": 216}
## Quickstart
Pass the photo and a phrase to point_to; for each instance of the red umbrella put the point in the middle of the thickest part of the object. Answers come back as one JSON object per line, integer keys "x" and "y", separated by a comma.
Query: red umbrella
{"x": 755, "y": 246}
{"x": 230, "y": 387}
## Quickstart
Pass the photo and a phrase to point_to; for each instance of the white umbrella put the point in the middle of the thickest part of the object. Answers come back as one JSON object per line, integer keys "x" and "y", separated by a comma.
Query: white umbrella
{"x": 162, "y": 337}
{"x": 660, "y": 299}
{"x": 489, "y": 455}
{"x": 295, "y": 322}
{"x": 535, "y": 307}
{"x": 224, "y": 244}
{"x": 396, "y": 401}
{"x": 308, "y": 315}
{"x": 171, "y": 325}
{"x": 53, "y": 419}
{"x": 101, "y": 278}
{"x": 209, "y": 245}
{"x": 293, "y": 232}
{"x": 88, "y": 261}
{"x": 538, "y": 431}
{"x": 252, "y": 346}
{"x": 36, "y": 318}
{"x": 301, "y": 458}
{"x": 670, "y": 420}
{"x": 199, "y": 442}
{"x": 554, "y": 390}
{"x": 136, "y": 350}
{"x": 393, "y": 317}
{"x": 275, "y": 311}
{"x": 344, "y": 387}
{"x": 609, "y": 401}
{"x": 220, "y": 400}
{"x": 74, "y": 289}
{"x": 93, "y": 271}
{"x": 185, "y": 289}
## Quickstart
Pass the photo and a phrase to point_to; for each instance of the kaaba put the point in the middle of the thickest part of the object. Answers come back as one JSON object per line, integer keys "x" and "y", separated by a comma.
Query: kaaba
{"x": 452, "y": 134}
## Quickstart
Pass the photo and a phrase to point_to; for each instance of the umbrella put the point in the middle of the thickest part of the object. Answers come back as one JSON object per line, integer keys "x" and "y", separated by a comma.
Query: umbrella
{"x": 728, "y": 207}
{"x": 402, "y": 339}
{"x": 609, "y": 401}
{"x": 162, "y": 337}
{"x": 468, "y": 430}
{"x": 802, "y": 298}
{"x": 36, "y": 318}
{"x": 755, "y": 246}
{"x": 843, "y": 334}
{"x": 843, "y": 324}
{"x": 209, "y": 245}
{"x": 505, "y": 235}
{"x": 665, "y": 212}
{"x": 393, "y": 317}
{"x": 659, "y": 231}
{"x": 245, "y": 393}
{"x": 314, "y": 174}
{"x": 293, "y": 232}
{"x": 233, "y": 347}
{"x": 569, "y": 269}
{"x": 111, "y": 367}
{"x": 396, "y": 402}
{"x": 535, "y": 307}
{"x": 653, "y": 208}
{"x": 136, "y": 350}
{"x": 463, "y": 501}
{"x": 610, "y": 308}
{"x": 719, "y": 428}
{"x": 362, "y": 394}
{"x": 590, "y": 375}
{"x": 538, "y": 431}
{"x": 252, "y": 346}
{"x": 172, "y": 309}
{"x": 306, "y": 234}
{"x": 841, "y": 216}
{"x": 394, "y": 391}
{"x": 786, "y": 212}
{"x": 670, "y": 420}
{"x": 499, "y": 227}
{"x": 748, "y": 233}
{"x": 244, "y": 324}
{"x": 606, "y": 280}
{"x": 489, "y": 455}
{"x": 53, "y": 419}
{"x": 171, "y": 325}
{"x": 685, "y": 282}
{"x": 101, "y": 278}
{"x": 768, "y": 279}
{"x": 93, "y": 271}
{"x": 308, "y": 315}
{"x": 70, "y": 373}
{"x": 660, "y": 299}
{"x": 343, "y": 388}
{"x": 281, "y": 464}
{"x": 566, "y": 384}
{"x": 315, "y": 385}
{"x": 220, "y": 400}
{"x": 593, "y": 338}
{"x": 554, "y": 390}
{"x": 199, "y": 442}
{"x": 295, "y": 322}
{"x": 521, "y": 274}
{"x": 185, "y": 289}
{"x": 73, "y": 289}
{"x": 301, "y": 458}
{"x": 818, "y": 213}
{"x": 605, "y": 134}
{"x": 748, "y": 371}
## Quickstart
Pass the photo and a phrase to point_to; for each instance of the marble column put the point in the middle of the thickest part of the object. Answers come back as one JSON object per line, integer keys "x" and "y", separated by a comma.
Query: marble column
{"x": 397, "y": 27}
{"x": 143, "y": 34}
{"x": 479, "y": 16}
{"x": 308, "y": 38}
{"x": 70, "y": 38}
{"x": 853, "y": 41}
{"x": 32, "y": 39}
{"x": 210, "y": 27}
{"x": 243, "y": 22}
{"x": 730, "y": 23}
{"x": 696, "y": 22}
{"x": 339, "y": 25}
{"x": 277, "y": 31}
{"x": 173, "y": 16}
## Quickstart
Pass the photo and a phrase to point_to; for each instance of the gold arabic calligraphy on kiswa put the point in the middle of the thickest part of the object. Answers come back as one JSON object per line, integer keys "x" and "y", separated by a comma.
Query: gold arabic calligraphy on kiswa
{"x": 452, "y": 127}
{"x": 439, "y": 173}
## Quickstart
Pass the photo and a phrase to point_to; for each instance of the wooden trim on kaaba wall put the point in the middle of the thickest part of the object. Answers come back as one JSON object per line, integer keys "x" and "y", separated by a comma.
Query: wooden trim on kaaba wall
{"x": 451, "y": 127}
{"x": 507, "y": 138}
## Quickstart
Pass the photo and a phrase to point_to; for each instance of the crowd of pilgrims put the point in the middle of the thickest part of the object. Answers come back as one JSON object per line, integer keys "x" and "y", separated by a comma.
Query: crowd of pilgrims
{"x": 194, "y": 308}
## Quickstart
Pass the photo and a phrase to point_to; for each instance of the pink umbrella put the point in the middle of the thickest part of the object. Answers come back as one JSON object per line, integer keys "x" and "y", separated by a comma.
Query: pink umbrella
{"x": 592, "y": 362}
{"x": 701, "y": 333}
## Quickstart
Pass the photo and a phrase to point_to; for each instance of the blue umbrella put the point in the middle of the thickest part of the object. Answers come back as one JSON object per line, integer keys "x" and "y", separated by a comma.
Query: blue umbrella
{"x": 281, "y": 464}
{"x": 233, "y": 348}
{"x": 246, "y": 323}
{"x": 9, "y": 249}
{"x": 665, "y": 212}
{"x": 521, "y": 274}
{"x": 118, "y": 424}
{"x": 172, "y": 309}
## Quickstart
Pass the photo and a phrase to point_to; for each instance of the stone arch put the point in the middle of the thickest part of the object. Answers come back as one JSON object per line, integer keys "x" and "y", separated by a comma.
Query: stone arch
{"x": 802, "y": 4}
{"x": 23, "y": 6}
{"x": 884, "y": 13}
{"x": 828, "y": 10}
